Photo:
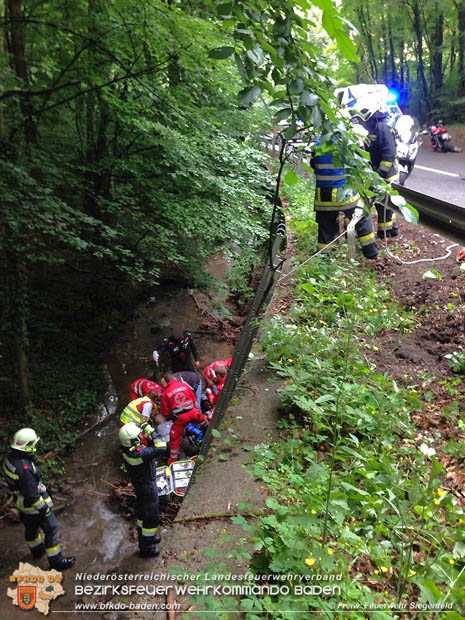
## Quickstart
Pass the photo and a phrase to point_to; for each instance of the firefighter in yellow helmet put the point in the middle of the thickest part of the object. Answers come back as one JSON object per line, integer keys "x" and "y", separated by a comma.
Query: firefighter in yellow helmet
{"x": 33, "y": 501}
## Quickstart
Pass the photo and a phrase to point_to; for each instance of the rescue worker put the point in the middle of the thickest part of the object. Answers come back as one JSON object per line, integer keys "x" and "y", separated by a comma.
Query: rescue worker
{"x": 181, "y": 347}
{"x": 382, "y": 148}
{"x": 192, "y": 379}
{"x": 215, "y": 376}
{"x": 333, "y": 194}
{"x": 142, "y": 469}
{"x": 33, "y": 501}
{"x": 142, "y": 387}
{"x": 211, "y": 374}
{"x": 141, "y": 409}
{"x": 178, "y": 403}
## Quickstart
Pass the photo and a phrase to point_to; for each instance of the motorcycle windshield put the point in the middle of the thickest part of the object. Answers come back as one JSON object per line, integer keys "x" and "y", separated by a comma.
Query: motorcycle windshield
{"x": 407, "y": 128}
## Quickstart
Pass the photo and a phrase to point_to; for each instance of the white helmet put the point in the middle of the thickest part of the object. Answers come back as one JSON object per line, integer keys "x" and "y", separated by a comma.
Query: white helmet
{"x": 129, "y": 435}
{"x": 25, "y": 440}
{"x": 366, "y": 107}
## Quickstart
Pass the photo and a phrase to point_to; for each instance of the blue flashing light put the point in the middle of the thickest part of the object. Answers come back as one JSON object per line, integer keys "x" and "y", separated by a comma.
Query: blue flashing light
{"x": 392, "y": 97}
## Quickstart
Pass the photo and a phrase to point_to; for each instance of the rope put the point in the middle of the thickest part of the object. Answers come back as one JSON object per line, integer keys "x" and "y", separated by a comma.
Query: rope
{"x": 418, "y": 260}
{"x": 323, "y": 249}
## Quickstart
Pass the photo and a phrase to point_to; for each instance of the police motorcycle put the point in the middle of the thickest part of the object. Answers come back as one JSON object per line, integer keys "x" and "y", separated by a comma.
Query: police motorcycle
{"x": 408, "y": 141}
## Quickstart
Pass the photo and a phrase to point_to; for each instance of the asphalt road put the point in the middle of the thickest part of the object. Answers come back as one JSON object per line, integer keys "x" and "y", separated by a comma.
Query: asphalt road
{"x": 441, "y": 175}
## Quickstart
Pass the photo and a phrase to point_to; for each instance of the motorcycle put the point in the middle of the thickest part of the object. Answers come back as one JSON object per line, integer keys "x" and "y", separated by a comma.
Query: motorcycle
{"x": 440, "y": 138}
{"x": 408, "y": 141}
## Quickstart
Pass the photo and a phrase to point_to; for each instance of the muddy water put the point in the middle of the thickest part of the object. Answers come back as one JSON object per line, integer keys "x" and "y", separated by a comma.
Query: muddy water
{"x": 92, "y": 528}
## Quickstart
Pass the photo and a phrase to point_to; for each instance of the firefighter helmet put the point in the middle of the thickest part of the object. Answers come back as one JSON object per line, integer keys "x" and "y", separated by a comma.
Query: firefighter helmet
{"x": 366, "y": 107}
{"x": 25, "y": 439}
{"x": 129, "y": 435}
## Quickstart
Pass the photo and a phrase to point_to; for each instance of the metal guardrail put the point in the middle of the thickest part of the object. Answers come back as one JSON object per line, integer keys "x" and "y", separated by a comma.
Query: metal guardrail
{"x": 446, "y": 218}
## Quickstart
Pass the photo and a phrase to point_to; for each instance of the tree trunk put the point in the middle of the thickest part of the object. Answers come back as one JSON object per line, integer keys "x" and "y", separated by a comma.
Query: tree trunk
{"x": 419, "y": 49}
{"x": 392, "y": 53}
{"x": 385, "y": 47}
{"x": 17, "y": 48}
{"x": 365, "y": 29}
{"x": 460, "y": 5}
{"x": 18, "y": 312}
{"x": 437, "y": 43}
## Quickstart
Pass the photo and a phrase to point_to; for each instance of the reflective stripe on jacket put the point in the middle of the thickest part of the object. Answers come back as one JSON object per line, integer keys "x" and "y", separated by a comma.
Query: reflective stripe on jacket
{"x": 133, "y": 411}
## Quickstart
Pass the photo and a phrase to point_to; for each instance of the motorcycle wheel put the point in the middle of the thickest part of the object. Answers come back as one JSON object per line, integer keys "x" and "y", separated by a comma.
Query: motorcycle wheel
{"x": 403, "y": 177}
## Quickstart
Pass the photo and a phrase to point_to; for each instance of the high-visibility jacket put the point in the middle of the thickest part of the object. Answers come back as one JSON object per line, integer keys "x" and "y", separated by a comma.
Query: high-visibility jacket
{"x": 133, "y": 411}
{"x": 333, "y": 193}
{"x": 141, "y": 387}
{"x": 177, "y": 398}
{"x": 23, "y": 477}
{"x": 210, "y": 371}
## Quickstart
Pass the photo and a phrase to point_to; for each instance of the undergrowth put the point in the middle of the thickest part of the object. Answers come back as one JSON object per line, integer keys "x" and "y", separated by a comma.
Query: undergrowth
{"x": 351, "y": 493}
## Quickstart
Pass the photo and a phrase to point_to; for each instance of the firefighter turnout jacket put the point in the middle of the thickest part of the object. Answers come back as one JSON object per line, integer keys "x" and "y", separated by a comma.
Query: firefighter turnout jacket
{"x": 333, "y": 192}
{"x": 382, "y": 149}
{"x": 35, "y": 507}
{"x": 23, "y": 477}
{"x": 142, "y": 469}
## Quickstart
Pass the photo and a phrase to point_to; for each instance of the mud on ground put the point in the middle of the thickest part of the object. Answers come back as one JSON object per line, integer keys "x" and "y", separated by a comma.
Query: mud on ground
{"x": 417, "y": 359}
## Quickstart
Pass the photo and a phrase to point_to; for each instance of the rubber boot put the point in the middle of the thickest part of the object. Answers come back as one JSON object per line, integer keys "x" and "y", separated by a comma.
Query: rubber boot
{"x": 38, "y": 552}
{"x": 59, "y": 562}
{"x": 150, "y": 552}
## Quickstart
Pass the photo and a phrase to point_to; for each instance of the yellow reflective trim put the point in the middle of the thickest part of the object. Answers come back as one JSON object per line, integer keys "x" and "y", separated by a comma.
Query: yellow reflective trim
{"x": 385, "y": 224}
{"x": 53, "y": 550}
{"x": 132, "y": 461}
{"x": 335, "y": 203}
{"x": 10, "y": 474}
{"x": 386, "y": 164}
{"x": 149, "y": 531}
{"x": 139, "y": 522}
{"x": 34, "y": 543}
{"x": 367, "y": 237}
{"x": 39, "y": 503}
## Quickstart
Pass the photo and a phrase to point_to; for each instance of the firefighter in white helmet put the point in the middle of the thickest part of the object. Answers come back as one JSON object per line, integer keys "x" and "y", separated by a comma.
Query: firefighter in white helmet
{"x": 142, "y": 469}
{"x": 372, "y": 114}
{"x": 33, "y": 501}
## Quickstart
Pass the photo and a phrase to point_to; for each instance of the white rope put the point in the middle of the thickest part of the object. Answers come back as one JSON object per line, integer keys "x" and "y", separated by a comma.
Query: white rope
{"x": 418, "y": 260}
{"x": 323, "y": 249}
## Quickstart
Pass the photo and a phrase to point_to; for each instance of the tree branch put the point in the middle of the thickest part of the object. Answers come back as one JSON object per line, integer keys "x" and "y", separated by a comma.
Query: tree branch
{"x": 36, "y": 93}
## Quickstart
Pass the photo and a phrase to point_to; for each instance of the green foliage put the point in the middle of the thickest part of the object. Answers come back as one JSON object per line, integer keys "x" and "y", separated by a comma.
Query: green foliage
{"x": 351, "y": 490}
{"x": 125, "y": 160}
{"x": 456, "y": 361}
{"x": 412, "y": 47}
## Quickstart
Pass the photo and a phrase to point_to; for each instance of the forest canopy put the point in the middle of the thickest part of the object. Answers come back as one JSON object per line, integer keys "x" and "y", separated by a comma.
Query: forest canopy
{"x": 414, "y": 46}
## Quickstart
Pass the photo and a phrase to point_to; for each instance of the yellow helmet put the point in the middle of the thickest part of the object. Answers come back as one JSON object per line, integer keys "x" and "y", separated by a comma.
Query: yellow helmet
{"x": 25, "y": 440}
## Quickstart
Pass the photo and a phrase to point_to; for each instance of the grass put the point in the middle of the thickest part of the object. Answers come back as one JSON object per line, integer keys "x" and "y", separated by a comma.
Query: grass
{"x": 353, "y": 493}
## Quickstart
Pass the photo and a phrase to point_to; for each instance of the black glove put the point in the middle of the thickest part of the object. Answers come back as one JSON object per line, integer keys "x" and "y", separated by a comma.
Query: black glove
{"x": 45, "y": 511}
